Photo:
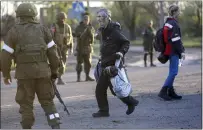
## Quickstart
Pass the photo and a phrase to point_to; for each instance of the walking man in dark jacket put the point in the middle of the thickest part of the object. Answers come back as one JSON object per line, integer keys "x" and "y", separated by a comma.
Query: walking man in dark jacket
{"x": 114, "y": 45}
{"x": 174, "y": 50}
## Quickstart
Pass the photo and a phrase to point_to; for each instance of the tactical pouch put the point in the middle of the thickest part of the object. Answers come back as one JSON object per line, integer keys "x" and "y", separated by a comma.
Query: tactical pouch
{"x": 30, "y": 54}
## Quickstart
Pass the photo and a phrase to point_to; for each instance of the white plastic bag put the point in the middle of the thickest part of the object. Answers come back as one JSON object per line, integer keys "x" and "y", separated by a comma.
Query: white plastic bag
{"x": 120, "y": 82}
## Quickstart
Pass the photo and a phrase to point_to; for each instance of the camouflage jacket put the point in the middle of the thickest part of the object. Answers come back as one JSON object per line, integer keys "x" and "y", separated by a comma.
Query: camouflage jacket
{"x": 85, "y": 38}
{"x": 62, "y": 35}
{"x": 34, "y": 51}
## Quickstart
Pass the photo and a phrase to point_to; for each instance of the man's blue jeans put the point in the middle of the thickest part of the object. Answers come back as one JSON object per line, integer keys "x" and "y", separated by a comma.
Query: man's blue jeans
{"x": 173, "y": 70}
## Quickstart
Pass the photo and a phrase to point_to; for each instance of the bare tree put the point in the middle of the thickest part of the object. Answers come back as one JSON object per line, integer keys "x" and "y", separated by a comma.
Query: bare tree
{"x": 128, "y": 11}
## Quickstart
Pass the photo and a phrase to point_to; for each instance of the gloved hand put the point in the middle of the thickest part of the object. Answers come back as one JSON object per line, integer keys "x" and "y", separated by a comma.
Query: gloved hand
{"x": 111, "y": 71}
{"x": 119, "y": 55}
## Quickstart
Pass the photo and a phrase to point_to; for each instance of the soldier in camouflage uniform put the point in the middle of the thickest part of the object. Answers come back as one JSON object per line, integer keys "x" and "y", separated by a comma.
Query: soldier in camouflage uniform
{"x": 62, "y": 34}
{"x": 37, "y": 63}
{"x": 85, "y": 38}
{"x": 148, "y": 39}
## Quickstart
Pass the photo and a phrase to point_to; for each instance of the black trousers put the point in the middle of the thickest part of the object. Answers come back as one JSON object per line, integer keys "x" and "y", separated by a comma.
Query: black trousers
{"x": 151, "y": 58}
{"x": 101, "y": 94}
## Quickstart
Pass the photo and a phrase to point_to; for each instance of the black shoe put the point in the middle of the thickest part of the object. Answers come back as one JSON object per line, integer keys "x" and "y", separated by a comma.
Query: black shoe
{"x": 131, "y": 107}
{"x": 55, "y": 127}
{"x": 100, "y": 114}
{"x": 153, "y": 65}
{"x": 164, "y": 95}
{"x": 131, "y": 103}
{"x": 145, "y": 64}
{"x": 88, "y": 78}
{"x": 173, "y": 95}
{"x": 78, "y": 78}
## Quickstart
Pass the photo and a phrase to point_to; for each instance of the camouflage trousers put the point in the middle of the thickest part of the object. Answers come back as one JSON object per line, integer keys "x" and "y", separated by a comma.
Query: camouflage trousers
{"x": 86, "y": 59}
{"x": 64, "y": 54}
{"x": 26, "y": 90}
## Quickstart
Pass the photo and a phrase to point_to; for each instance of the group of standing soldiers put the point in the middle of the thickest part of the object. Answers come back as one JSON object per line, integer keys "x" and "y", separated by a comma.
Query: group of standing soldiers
{"x": 63, "y": 37}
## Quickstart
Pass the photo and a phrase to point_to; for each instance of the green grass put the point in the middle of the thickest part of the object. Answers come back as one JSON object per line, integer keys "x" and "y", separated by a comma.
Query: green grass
{"x": 192, "y": 42}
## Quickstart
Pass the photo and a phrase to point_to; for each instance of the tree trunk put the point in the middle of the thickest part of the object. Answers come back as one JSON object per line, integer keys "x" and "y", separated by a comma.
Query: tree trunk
{"x": 161, "y": 16}
{"x": 132, "y": 33}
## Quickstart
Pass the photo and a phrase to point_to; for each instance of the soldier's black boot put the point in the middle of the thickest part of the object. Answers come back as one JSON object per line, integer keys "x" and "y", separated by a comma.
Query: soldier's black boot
{"x": 164, "y": 94}
{"x": 26, "y": 126}
{"x": 88, "y": 78}
{"x": 145, "y": 60}
{"x": 78, "y": 77}
{"x": 131, "y": 103}
{"x": 173, "y": 95}
{"x": 60, "y": 81}
{"x": 151, "y": 60}
{"x": 101, "y": 114}
{"x": 55, "y": 127}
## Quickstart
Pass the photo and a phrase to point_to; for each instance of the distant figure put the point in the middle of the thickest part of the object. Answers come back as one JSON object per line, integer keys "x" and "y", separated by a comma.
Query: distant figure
{"x": 148, "y": 39}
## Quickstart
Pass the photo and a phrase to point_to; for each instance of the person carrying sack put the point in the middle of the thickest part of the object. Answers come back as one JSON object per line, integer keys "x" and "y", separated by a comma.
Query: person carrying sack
{"x": 114, "y": 45}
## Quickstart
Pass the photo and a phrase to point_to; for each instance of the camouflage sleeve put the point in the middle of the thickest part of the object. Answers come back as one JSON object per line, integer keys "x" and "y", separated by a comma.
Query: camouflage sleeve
{"x": 52, "y": 53}
{"x": 77, "y": 33}
{"x": 8, "y": 53}
{"x": 92, "y": 32}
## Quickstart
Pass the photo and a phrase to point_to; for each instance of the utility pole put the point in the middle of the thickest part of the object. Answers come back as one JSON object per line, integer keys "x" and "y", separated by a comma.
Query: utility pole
{"x": 88, "y": 5}
{"x": 161, "y": 16}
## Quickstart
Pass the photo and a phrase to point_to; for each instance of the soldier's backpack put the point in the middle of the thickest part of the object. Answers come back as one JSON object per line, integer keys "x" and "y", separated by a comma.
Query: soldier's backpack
{"x": 158, "y": 43}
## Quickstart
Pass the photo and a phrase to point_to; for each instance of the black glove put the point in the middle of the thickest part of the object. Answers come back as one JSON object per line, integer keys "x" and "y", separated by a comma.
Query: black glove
{"x": 111, "y": 71}
{"x": 119, "y": 55}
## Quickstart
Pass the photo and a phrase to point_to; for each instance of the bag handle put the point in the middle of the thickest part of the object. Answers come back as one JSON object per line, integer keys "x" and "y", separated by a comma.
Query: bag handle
{"x": 117, "y": 63}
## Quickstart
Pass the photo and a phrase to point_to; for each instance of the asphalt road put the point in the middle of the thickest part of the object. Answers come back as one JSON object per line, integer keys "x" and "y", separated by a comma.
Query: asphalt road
{"x": 152, "y": 112}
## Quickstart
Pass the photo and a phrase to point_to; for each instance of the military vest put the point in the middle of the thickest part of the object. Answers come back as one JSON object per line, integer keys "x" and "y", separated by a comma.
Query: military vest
{"x": 30, "y": 46}
{"x": 62, "y": 36}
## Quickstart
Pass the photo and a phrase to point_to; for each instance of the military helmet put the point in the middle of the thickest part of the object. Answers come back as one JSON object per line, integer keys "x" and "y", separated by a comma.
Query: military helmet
{"x": 173, "y": 9}
{"x": 26, "y": 9}
{"x": 61, "y": 15}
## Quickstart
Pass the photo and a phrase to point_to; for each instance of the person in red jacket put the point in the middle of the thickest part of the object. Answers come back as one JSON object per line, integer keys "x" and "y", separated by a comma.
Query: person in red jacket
{"x": 174, "y": 50}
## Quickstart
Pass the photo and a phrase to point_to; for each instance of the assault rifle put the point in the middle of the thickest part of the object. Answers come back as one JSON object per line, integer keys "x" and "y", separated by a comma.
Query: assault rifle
{"x": 59, "y": 97}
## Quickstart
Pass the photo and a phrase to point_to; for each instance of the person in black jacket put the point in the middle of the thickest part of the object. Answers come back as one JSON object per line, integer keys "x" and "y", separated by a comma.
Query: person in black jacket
{"x": 114, "y": 45}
